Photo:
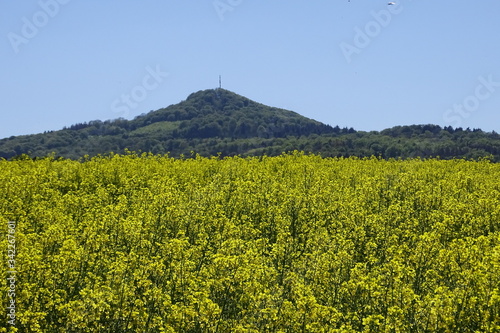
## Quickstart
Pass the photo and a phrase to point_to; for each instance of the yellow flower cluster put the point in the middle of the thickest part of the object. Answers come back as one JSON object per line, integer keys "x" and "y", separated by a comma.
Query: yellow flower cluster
{"x": 293, "y": 243}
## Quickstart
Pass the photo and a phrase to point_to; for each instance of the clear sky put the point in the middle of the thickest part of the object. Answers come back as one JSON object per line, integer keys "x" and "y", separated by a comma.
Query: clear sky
{"x": 361, "y": 64}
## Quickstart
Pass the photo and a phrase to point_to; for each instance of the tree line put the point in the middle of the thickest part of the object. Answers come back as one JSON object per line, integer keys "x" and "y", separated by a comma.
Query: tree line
{"x": 219, "y": 122}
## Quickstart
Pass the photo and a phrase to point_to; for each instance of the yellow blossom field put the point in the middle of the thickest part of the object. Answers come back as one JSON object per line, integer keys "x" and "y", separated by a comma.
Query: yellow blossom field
{"x": 293, "y": 243}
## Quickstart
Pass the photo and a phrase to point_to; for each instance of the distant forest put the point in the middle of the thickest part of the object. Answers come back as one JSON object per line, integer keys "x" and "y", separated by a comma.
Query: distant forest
{"x": 220, "y": 122}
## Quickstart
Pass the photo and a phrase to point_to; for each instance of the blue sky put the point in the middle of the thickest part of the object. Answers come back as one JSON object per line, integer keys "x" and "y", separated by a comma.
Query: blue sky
{"x": 360, "y": 64}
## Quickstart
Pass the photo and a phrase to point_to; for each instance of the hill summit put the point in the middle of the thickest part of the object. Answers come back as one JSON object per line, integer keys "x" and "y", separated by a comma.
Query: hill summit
{"x": 221, "y": 116}
{"x": 224, "y": 114}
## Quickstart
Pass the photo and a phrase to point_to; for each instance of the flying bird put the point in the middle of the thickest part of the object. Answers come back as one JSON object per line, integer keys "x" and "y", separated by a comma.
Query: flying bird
{"x": 391, "y": 4}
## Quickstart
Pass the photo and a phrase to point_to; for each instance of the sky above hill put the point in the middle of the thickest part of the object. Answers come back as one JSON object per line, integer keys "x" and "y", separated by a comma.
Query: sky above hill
{"x": 359, "y": 63}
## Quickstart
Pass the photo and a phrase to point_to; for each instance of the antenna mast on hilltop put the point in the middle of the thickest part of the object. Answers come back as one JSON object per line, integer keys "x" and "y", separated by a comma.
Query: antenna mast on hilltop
{"x": 218, "y": 89}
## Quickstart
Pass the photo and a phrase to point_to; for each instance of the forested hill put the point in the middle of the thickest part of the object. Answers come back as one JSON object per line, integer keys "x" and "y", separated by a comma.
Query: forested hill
{"x": 216, "y": 121}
